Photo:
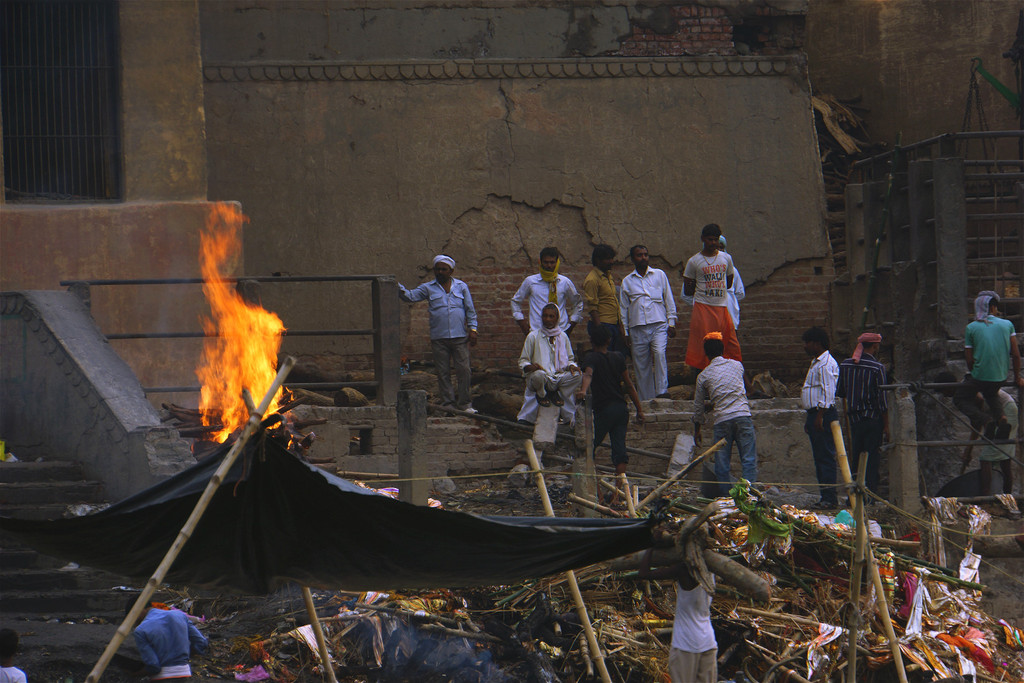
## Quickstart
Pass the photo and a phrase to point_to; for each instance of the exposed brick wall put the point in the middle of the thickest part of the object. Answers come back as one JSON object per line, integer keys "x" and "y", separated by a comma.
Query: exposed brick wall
{"x": 697, "y": 30}
{"x": 692, "y": 29}
{"x": 773, "y": 316}
{"x": 456, "y": 445}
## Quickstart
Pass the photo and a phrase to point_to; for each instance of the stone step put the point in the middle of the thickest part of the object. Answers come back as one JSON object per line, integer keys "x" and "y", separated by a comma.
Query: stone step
{"x": 49, "y": 492}
{"x": 63, "y": 579}
{"x": 55, "y": 470}
{"x": 105, "y": 602}
{"x": 32, "y": 511}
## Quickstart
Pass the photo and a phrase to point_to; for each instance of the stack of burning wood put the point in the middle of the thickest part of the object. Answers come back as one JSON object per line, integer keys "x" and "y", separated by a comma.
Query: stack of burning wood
{"x": 193, "y": 423}
{"x": 783, "y": 609}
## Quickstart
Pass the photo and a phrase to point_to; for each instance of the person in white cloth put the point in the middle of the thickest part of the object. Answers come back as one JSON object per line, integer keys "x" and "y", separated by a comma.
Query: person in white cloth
{"x": 694, "y": 654}
{"x": 548, "y": 363}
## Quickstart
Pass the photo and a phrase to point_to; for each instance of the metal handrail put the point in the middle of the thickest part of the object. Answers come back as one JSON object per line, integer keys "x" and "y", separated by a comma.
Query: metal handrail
{"x": 929, "y": 142}
{"x": 384, "y": 330}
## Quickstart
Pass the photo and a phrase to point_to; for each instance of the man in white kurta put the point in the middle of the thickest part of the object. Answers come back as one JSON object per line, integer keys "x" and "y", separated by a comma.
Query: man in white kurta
{"x": 548, "y": 363}
{"x": 648, "y": 312}
{"x": 547, "y": 287}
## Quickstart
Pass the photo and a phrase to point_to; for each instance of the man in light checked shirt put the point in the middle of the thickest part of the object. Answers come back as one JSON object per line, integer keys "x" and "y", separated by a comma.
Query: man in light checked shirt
{"x": 818, "y": 398}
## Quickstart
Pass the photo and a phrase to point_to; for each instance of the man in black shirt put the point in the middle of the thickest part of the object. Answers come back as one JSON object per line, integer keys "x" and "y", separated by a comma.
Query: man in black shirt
{"x": 604, "y": 372}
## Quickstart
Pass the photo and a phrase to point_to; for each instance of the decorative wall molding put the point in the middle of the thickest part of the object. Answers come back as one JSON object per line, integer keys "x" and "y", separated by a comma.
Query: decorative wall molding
{"x": 419, "y": 70}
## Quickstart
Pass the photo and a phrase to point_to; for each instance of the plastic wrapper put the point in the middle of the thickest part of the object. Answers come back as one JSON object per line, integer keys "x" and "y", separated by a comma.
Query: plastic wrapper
{"x": 917, "y": 604}
{"x": 969, "y": 567}
{"x": 887, "y": 572}
{"x": 1009, "y": 502}
{"x": 1014, "y": 636}
{"x": 818, "y": 655}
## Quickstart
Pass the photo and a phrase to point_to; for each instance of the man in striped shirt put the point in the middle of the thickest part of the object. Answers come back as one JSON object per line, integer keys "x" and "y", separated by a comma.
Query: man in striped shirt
{"x": 864, "y": 404}
{"x": 818, "y": 398}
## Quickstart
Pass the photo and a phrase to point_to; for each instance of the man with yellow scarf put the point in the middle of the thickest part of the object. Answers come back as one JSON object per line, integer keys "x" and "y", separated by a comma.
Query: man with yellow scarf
{"x": 547, "y": 287}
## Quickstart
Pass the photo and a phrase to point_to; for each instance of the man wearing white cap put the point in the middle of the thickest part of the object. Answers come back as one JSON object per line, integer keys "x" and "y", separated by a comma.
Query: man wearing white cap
{"x": 452, "y": 329}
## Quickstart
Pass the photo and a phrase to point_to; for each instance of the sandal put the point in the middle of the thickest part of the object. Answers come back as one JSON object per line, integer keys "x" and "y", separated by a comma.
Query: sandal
{"x": 557, "y": 400}
{"x": 543, "y": 400}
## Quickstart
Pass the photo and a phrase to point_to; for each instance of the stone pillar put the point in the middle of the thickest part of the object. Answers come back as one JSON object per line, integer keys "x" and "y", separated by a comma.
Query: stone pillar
{"x": 904, "y": 490}
{"x": 950, "y": 238}
{"x": 921, "y": 206}
{"x": 412, "y": 441}
{"x": 584, "y": 470}
{"x": 387, "y": 350}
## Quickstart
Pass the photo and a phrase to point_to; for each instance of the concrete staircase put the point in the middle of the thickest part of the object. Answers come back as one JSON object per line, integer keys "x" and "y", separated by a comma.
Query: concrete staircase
{"x": 37, "y": 587}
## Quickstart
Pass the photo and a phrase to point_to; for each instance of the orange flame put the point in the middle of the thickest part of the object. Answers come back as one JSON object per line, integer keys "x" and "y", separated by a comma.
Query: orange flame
{"x": 240, "y": 350}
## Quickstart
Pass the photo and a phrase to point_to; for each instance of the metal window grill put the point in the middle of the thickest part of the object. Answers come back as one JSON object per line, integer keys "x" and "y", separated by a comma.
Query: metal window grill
{"x": 59, "y": 100}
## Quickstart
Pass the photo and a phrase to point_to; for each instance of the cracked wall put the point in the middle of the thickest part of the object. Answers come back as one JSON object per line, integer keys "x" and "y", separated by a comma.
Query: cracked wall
{"x": 358, "y": 167}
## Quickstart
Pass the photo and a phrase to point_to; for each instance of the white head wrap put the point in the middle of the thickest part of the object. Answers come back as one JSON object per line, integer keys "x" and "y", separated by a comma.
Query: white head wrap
{"x": 441, "y": 258}
{"x": 981, "y": 304}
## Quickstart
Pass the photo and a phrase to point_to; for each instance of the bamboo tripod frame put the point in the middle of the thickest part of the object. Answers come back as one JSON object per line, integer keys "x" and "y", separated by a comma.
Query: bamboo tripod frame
{"x": 581, "y": 608}
{"x": 864, "y": 558}
{"x": 255, "y": 417}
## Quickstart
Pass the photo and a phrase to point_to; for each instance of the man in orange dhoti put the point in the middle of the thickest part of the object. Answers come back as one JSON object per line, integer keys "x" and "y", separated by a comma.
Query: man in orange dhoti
{"x": 707, "y": 277}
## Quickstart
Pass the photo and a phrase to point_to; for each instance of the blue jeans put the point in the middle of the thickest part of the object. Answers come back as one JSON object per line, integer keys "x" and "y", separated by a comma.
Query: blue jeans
{"x": 741, "y": 431}
{"x": 866, "y": 436}
{"x": 823, "y": 448}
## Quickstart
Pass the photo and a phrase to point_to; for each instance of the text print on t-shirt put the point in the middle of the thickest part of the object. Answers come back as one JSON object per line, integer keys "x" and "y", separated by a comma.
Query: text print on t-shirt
{"x": 714, "y": 279}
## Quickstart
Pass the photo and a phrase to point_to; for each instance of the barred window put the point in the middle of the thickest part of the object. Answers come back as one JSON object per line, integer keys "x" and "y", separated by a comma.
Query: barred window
{"x": 59, "y": 100}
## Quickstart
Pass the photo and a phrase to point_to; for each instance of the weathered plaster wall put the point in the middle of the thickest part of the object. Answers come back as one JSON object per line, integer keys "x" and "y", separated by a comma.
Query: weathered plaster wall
{"x": 909, "y": 63}
{"x": 163, "y": 144}
{"x": 43, "y": 245}
{"x": 377, "y": 173}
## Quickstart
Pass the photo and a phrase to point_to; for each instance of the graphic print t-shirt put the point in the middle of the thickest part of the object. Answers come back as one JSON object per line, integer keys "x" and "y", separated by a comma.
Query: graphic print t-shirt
{"x": 711, "y": 275}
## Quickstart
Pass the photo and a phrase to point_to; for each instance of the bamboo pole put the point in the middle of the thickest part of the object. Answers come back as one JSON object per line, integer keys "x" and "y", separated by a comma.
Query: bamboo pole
{"x": 629, "y": 494}
{"x": 581, "y": 609}
{"x": 591, "y": 505}
{"x": 872, "y": 566}
{"x": 318, "y": 632}
{"x": 186, "y": 531}
{"x": 679, "y": 475}
{"x": 856, "y": 576}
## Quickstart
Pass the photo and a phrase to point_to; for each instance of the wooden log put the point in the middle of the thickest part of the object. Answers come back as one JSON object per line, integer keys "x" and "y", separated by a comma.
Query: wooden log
{"x": 735, "y": 574}
{"x": 695, "y": 522}
{"x": 730, "y": 571}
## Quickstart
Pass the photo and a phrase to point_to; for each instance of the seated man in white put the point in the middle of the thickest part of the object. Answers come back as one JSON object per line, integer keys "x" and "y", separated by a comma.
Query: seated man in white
{"x": 550, "y": 369}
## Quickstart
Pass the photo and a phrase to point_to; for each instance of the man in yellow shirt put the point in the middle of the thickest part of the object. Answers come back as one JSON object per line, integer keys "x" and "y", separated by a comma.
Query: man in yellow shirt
{"x": 601, "y": 298}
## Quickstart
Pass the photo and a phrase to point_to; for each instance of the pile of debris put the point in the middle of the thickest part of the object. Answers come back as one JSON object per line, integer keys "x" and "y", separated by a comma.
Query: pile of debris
{"x": 841, "y": 142}
{"x": 797, "y": 631}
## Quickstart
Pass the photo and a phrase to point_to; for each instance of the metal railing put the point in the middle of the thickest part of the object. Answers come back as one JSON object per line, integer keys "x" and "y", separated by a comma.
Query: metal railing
{"x": 384, "y": 331}
{"x": 947, "y": 145}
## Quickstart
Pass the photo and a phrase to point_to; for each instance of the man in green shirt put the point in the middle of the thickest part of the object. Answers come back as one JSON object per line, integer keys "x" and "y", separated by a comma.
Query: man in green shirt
{"x": 990, "y": 342}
